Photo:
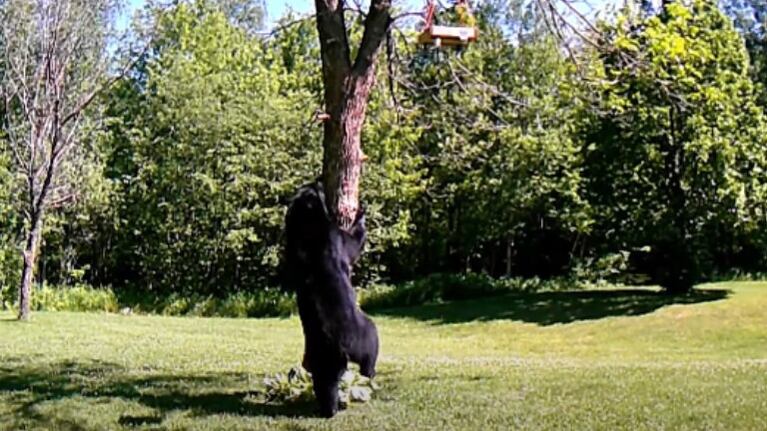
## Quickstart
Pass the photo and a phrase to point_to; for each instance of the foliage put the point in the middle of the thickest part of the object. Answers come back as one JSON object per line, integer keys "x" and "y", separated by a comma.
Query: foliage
{"x": 501, "y": 155}
{"x": 76, "y": 236}
{"x": 438, "y": 288}
{"x": 75, "y": 298}
{"x": 83, "y": 298}
{"x": 749, "y": 17}
{"x": 210, "y": 141}
{"x": 677, "y": 161}
{"x": 202, "y": 174}
{"x": 10, "y": 257}
{"x": 56, "y": 58}
{"x": 246, "y": 14}
{"x": 503, "y": 158}
{"x": 259, "y": 303}
{"x": 296, "y": 386}
{"x": 611, "y": 267}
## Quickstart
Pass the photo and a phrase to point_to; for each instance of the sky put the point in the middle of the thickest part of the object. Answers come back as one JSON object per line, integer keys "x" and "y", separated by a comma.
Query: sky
{"x": 277, "y": 8}
{"x": 274, "y": 8}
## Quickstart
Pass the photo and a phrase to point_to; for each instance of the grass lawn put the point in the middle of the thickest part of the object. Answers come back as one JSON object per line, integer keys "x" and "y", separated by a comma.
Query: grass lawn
{"x": 615, "y": 359}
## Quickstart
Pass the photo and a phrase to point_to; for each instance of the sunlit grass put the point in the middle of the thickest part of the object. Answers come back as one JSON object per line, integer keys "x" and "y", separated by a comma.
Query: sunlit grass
{"x": 625, "y": 359}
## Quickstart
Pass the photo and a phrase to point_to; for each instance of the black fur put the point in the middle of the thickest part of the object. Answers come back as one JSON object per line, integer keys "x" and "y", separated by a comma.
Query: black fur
{"x": 318, "y": 261}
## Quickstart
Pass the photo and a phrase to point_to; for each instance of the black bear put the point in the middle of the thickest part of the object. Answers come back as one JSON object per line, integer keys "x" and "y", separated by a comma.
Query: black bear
{"x": 318, "y": 261}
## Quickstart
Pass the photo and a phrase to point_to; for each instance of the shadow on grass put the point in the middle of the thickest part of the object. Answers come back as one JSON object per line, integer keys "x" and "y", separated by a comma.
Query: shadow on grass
{"x": 549, "y": 308}
{"x": 27, "y": 387}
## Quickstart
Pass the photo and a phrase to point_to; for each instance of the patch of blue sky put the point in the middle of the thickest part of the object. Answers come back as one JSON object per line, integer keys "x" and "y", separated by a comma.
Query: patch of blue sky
{"x": 275, "y": 9}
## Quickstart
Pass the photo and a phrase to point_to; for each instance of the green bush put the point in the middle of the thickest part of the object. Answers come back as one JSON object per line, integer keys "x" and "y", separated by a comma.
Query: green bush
{"x": 296, "y": 386}
{"x": 10, "y": 269}
{"x": 736, "y": 274}
{"x": 10, "y": 258}
{"x": 75, "y": 298}
{"x": 261, "y": 303}
{"x": 175, "y": 305}
{"x": 452, "y": 287}
{"x": 608, "y": 268}
{"x": 83, "y": 298}
{"x": 276, "y": 303}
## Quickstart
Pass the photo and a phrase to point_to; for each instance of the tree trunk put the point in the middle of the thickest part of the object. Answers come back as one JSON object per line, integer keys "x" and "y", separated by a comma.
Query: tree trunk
{"x": 28, "y": 269}
{"x": 347, "y": 87}
{"x": 681, "y": 258}
{"x": 342, "y": 149}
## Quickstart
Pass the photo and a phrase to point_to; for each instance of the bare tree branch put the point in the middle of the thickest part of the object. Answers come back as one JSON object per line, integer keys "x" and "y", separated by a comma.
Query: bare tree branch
{"x": 88, "y": 98}
{"x": 376, "y": 27}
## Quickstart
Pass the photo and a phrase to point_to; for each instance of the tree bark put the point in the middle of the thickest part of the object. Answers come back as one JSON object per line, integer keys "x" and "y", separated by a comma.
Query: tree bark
{"x": 342, "y": 149}
{"x": 28, "y": 270}
{"x": 37, "y": 205}
{"x": 347, "y": 88}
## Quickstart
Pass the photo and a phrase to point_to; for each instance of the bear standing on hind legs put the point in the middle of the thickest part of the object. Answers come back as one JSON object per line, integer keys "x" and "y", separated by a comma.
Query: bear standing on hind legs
{"x": 318, "y": 261}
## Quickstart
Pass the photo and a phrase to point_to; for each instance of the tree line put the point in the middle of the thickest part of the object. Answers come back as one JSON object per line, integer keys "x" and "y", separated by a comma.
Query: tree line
{"x": 638, "y": 148}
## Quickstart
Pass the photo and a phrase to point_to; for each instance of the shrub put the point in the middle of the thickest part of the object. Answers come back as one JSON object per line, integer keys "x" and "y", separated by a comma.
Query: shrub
{"x": 296, "y": 386}
{"x": 76, "y": 298}
{"x": 10, "y": 269}
{"x": 261, "y": 303}
{"x": 453, "y": 287}
{"x": 176, "y": 305}
{"x": 608, "y": 268}
{"x": 276, "y": 303}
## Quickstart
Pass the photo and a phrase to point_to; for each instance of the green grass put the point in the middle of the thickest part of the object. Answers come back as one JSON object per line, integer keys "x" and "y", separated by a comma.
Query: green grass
{"x": 614, "y": 359}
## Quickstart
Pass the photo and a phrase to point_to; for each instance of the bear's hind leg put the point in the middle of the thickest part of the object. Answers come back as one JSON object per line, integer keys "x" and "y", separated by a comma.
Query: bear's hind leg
{"x": 328, "y": 366}
{"x": 326, "y": 391}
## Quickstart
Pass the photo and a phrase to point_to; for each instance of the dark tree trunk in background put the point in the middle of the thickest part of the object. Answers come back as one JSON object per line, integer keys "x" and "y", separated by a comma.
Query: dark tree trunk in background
{"x": 682, "y": 271}
{"x": 347, "y": 87}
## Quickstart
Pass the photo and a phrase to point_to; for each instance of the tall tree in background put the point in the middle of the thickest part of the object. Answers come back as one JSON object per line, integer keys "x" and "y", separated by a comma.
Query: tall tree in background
{"x": 55, "y": 62}
{"x": 500, "y": 147}
{"x": 679, "y": 156}
{"x": 203, "y": 148}
{"x": 245, "y": 14}
{"x": 347, "y": 85}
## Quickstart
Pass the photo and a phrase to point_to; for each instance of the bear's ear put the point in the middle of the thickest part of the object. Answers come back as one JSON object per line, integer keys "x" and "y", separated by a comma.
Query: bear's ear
{"x": 354, "y": 240}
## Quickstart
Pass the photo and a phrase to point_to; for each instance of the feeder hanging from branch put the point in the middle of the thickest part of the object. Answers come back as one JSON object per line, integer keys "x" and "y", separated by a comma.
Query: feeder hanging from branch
{"x": 457, "y": 34}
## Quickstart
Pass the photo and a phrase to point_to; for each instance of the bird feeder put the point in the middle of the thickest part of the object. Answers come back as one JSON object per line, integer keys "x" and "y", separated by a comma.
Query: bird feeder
{"x": 448, "y": 35}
